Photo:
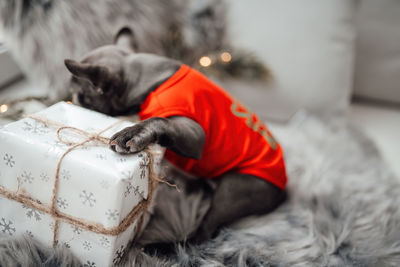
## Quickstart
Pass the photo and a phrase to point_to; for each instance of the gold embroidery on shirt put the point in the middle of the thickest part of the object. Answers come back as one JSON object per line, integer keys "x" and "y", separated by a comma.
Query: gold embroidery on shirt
{"x": 252, "y": 123}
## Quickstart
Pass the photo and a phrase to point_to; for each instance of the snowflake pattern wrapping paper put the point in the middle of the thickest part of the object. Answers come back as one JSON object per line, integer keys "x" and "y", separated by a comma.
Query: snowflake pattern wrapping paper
{"x": 95, "y": 184}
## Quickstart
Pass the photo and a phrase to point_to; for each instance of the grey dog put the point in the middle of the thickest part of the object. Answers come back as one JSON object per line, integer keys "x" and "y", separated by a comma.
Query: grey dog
{"x": 115, "y": 80}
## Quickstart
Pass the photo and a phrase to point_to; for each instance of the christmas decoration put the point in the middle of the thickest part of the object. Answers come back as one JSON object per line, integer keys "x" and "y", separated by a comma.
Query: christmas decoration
{"x": 15, "y": 109}
{"x": 224, "y": 62}
{"x": 233, "y": 64}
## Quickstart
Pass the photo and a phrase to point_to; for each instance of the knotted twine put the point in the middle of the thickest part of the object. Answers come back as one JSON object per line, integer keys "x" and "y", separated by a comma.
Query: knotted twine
{"x": 138, "y": 210}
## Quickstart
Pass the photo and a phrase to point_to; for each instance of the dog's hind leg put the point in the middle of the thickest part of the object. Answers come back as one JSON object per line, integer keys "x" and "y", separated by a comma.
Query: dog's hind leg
{"x": 236, "y": 196}
{"x": 176, "y": 215}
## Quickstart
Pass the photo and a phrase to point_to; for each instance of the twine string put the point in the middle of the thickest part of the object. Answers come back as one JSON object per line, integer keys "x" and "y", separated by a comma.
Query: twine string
{"x": 89, "y": 138}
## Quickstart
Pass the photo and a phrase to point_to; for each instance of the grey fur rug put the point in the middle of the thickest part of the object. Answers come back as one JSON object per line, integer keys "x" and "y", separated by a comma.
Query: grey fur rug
{"x": 342, "y": 210}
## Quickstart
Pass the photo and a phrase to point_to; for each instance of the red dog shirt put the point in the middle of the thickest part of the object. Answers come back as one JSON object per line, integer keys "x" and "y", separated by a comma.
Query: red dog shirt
{"x": 236, "y": 140}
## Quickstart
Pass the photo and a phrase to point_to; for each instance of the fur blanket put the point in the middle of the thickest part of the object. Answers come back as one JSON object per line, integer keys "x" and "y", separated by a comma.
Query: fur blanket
{"x": 342, "y": 210}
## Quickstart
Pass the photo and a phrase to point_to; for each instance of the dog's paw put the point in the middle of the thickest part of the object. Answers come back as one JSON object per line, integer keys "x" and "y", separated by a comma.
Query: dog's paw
{"x": 132, "y": 139}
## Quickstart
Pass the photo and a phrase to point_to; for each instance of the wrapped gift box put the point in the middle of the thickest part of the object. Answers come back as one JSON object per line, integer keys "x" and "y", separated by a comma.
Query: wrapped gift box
{"x": 100, "y": 196}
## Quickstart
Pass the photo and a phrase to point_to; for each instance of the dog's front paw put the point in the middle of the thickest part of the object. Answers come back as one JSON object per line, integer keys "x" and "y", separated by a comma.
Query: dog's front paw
{"x": 132, "y": 139}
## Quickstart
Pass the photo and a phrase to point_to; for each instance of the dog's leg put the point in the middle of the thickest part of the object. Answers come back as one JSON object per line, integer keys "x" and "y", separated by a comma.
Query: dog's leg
{"x": 176, "y": 215}
{"x": 180, "y": 134}
{"x": 236, "y": 196}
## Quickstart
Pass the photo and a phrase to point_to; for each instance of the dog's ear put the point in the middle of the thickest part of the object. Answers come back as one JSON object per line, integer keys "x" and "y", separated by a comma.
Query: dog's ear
{"x": 126, "y": 38}
{"x": 93, "y": 73}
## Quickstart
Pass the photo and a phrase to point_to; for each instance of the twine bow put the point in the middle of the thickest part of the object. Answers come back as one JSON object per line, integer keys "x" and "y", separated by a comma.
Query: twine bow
{"x": 138, "y": 210}
{"x": 89, "y": 136}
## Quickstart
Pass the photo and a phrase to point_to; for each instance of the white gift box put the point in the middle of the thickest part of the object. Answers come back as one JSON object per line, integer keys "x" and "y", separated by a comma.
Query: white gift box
{"x": 98, "y": 191}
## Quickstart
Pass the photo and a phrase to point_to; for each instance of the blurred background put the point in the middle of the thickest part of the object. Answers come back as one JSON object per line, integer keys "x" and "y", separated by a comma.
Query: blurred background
{"x": 334, "y": 58}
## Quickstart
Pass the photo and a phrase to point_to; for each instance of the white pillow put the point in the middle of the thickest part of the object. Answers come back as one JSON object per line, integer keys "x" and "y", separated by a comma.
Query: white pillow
{"x": 377, "y": 72}
{"x": 308, "y": 46}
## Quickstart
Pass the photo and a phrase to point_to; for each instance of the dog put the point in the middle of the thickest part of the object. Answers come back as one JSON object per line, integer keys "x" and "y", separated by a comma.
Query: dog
{"x": 207, "y": 133}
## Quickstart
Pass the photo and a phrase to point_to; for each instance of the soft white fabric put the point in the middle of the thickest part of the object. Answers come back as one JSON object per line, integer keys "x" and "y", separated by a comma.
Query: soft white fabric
{"x": 8, "y": 69}
{"x": 377, "y": 73}
{"x": 308, "y": 46}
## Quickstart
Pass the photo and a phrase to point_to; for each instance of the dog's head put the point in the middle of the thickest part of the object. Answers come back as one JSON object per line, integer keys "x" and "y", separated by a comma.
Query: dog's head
{"x": 99, "y": 81}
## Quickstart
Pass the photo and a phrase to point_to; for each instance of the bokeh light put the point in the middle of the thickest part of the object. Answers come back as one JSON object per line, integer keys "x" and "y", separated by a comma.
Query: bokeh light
{"x": 226, "y": 57}
{"x": 3, "y": 108}
{"x": 205, "y": 61}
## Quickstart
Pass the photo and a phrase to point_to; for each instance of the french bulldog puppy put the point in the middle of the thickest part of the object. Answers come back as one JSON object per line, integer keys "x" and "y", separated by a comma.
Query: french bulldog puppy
{"x": 206, "y": 132}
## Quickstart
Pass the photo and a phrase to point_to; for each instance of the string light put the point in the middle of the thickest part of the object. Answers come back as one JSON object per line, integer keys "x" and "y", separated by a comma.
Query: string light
{"x": 3, "y": 108}
{"x": 226, "y": 57}
{"x": 205, "y": 61}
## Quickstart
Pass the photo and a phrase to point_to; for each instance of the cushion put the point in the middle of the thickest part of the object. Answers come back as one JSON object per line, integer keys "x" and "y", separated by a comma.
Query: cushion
{"x": 377, "y": 72}
{"x": 308, "y": 47}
